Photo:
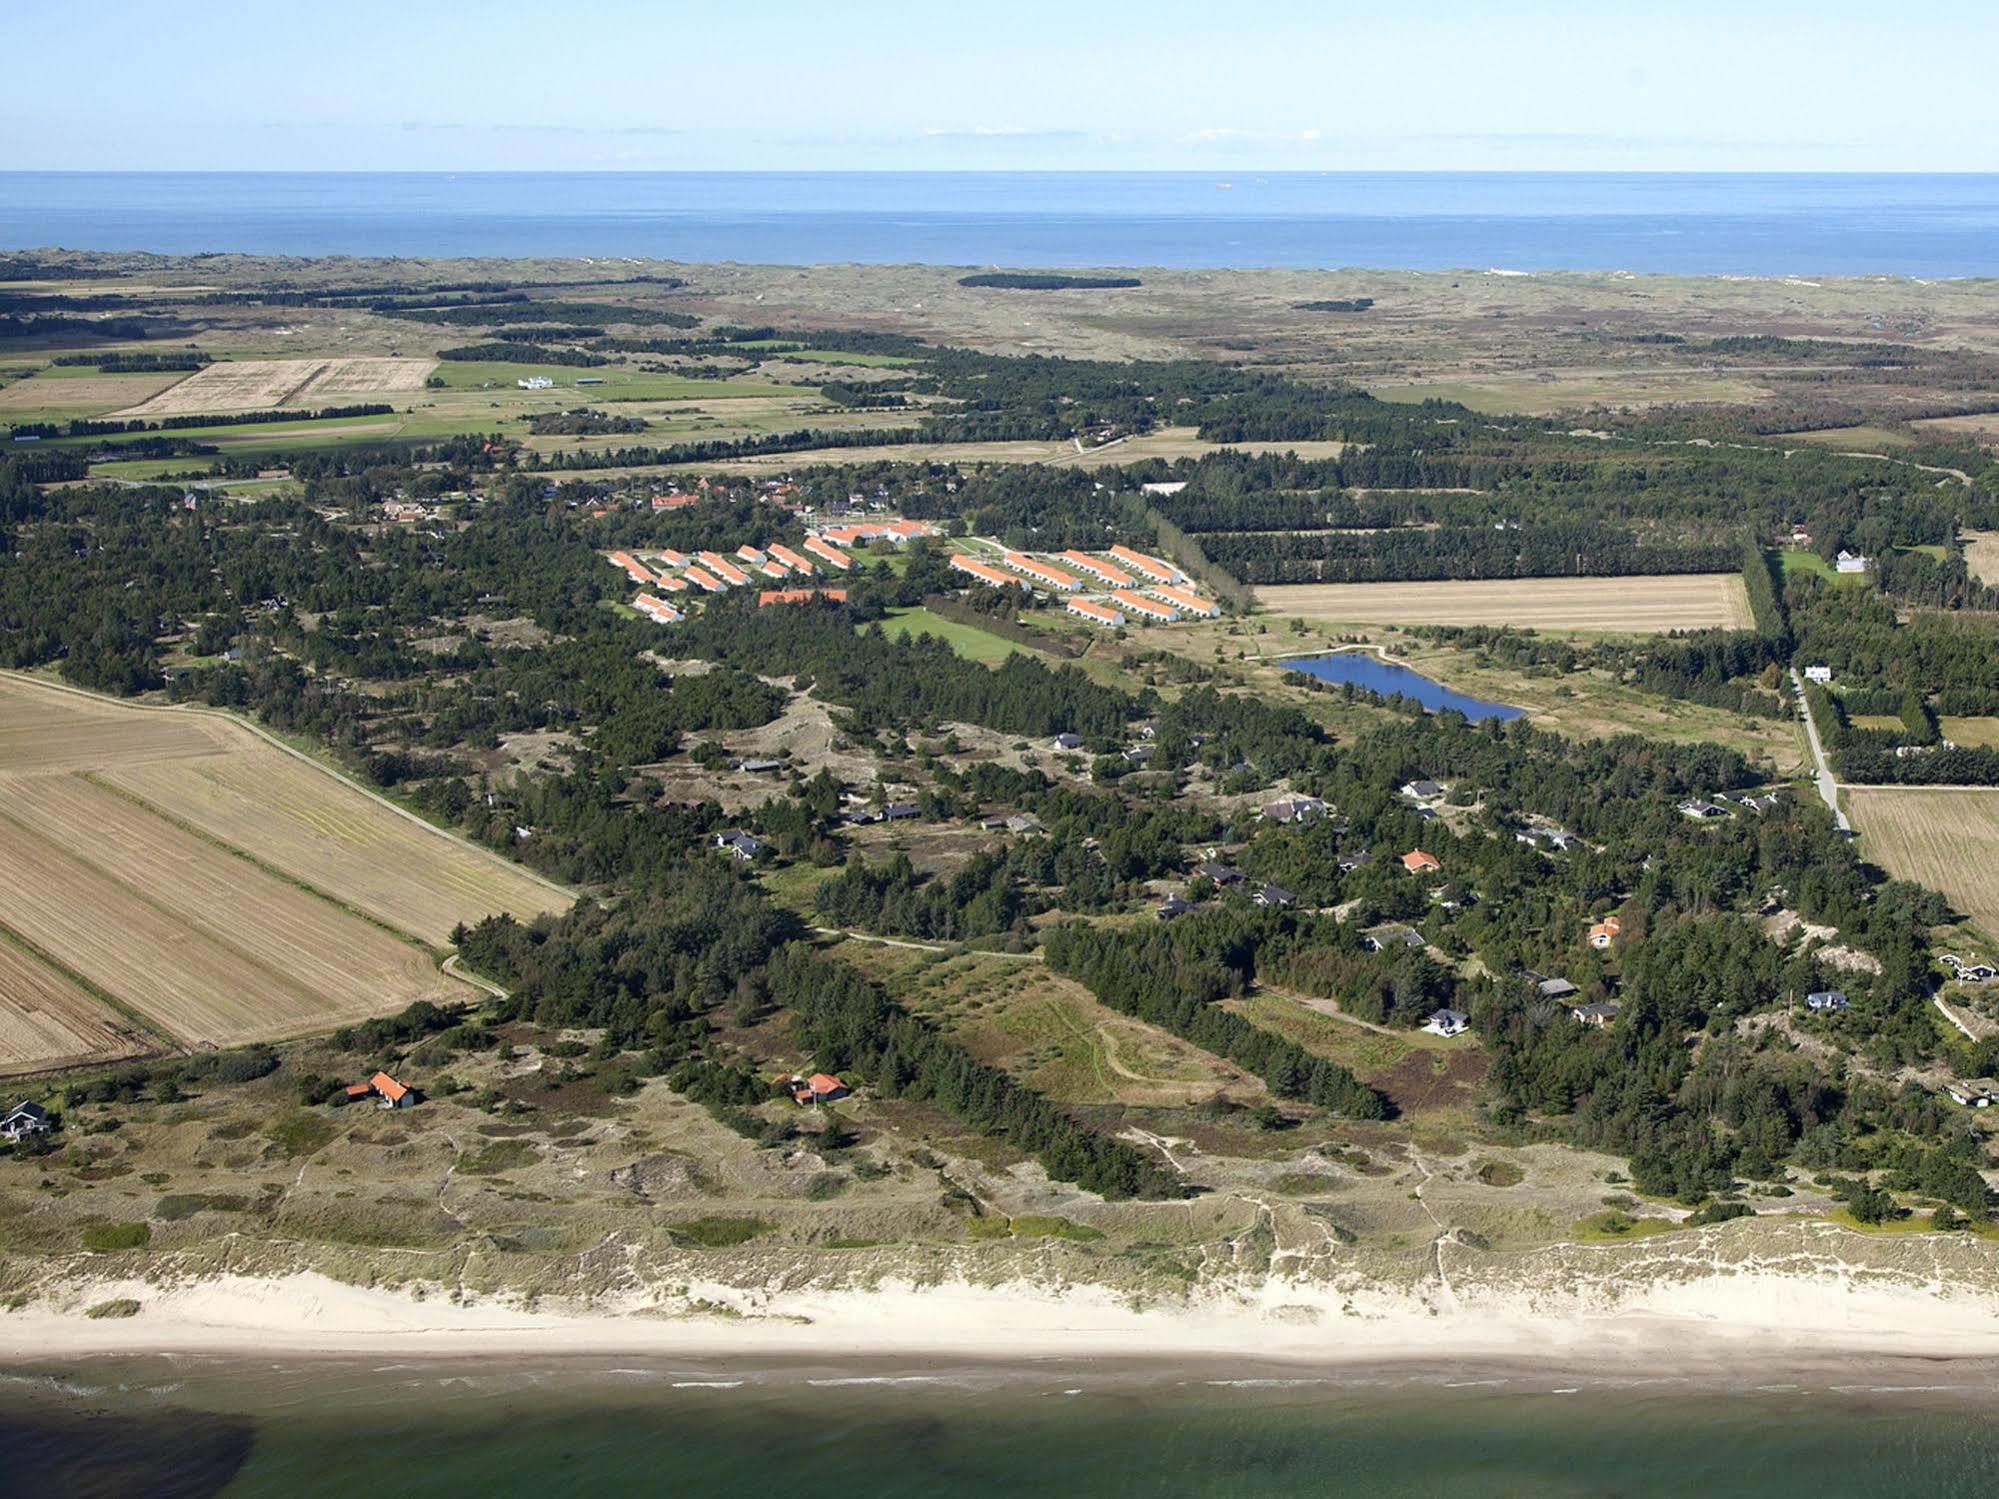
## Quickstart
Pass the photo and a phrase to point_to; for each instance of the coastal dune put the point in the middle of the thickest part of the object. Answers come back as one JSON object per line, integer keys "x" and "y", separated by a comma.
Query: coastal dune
{"x": 1632, "y": 1314}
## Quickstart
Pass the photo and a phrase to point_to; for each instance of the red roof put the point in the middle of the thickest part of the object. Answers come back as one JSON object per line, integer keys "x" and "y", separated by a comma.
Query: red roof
{"x": 387, "y": 1086}
{"x": 823, "y": 1083}
{"x": 1416, "y": 859}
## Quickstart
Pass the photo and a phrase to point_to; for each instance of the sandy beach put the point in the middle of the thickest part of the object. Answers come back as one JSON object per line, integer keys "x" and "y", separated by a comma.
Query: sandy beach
{"x": 1711, "y": 1324}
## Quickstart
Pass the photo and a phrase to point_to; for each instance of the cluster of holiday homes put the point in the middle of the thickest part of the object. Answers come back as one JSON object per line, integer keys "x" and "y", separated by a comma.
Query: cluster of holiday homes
{"x": 671, "y": 572}
{"x": 1126, "y": 584}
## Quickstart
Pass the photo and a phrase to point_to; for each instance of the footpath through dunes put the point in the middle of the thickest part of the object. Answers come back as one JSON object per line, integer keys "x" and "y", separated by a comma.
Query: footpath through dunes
{"x": 1634, "y": 605}
{"x": 169, "y": 877}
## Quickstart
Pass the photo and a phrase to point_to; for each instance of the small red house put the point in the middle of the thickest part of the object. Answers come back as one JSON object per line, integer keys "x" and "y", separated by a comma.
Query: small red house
{"x": 389, "y": 1093}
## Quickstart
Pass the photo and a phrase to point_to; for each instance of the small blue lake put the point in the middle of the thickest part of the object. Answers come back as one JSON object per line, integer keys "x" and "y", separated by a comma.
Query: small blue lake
{"x": 1384, "y": 677}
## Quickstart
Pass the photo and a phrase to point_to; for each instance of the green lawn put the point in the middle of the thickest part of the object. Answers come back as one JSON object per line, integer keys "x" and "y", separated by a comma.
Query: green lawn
{"x": 1798, "y": 562}
{"x": 972, "y": 643}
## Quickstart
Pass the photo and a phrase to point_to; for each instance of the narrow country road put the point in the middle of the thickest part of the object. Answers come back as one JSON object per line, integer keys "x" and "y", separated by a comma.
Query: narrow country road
{"x": 1828, "y": 787}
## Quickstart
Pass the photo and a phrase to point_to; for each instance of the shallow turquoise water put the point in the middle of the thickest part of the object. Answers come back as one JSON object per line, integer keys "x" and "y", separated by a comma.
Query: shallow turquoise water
{"x": 173, "y": 1428}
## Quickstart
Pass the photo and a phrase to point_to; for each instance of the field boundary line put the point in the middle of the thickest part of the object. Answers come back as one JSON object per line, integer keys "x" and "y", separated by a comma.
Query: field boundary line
{"x": 194, "y": 710}
{"x": 263, "y": 962}
{"x": 90, "y": 777}
{"x": 22, "y": 942}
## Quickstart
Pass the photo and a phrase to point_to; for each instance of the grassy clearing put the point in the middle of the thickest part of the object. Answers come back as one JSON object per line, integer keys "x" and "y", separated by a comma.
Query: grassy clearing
{"x": 967, "y": 640}
{"x": 1364, "y": 1051}
{"x": 1614, "y": 1227}
{"x": 1982, "y": 733}
{"x": 1852, "y": 439}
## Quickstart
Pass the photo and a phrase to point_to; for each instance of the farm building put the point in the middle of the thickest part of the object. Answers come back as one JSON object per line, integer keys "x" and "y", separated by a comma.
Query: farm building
{"x": 1097, "y": 568}
{"x": 1977, "y": 1094}
{"x": 985, "y": 573}
{"x": 1101, "y": 614}
{"x": 826, "y": 552}
{"x": 1041, "y": 572}
{"x": 1188, "y": 600}
{"x": 1819, "y": 674}
{"x": 1139, "y": 604}
{"x": 1150, "y": 567}
{"x": 385, "y": 1090}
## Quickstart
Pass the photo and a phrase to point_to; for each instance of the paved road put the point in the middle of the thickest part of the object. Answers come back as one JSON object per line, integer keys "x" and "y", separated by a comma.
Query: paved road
{"x": 1828, "y": 787}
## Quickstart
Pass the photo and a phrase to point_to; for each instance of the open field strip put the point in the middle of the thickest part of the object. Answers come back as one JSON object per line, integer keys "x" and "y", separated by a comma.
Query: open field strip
{"x": 233, "y": 784}
{"x": 48, "y": 396}
{"x": 267, "y": 384}
{"x": 182, "y": 867}
{"x": 1638, "y": 605}
{"x": 49, "y": 1021}
{"x": 205, "y": 947}
{"x": 1946, "y": 839}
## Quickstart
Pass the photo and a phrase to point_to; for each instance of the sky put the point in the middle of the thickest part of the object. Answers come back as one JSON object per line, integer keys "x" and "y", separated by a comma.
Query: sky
{"x": 778, "y": 85}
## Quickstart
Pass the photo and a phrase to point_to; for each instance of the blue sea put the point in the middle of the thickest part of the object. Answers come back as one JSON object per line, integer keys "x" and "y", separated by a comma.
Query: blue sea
{"x": 514, "y": 1428}
{"x": 1913, "y": 225}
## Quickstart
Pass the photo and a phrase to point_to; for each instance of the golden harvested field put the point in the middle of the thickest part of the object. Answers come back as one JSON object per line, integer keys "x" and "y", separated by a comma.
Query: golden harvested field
{"x": 209, "y": 881}
{"x": 1619, "y": 605}
{"x": 48, "y": 1021}
{"x": 1981, "y": 555}
{"x": 208, "y": 947}
{"x": 267, "y": 384}
{"x": 362, "y": 853}
{"x": 1948, "y": 840}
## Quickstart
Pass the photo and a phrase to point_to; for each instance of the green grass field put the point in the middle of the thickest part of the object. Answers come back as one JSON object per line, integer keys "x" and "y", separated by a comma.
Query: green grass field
{"x": 972, "y": 643}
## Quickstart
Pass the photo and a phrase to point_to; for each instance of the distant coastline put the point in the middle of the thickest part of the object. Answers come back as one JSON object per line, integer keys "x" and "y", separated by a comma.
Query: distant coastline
{"x": 1759, "y": 225}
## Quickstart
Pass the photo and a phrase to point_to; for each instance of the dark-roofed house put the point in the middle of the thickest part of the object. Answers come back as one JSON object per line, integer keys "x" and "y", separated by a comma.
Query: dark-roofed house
{"x": 1555, "y": 988}
{"x": 740, "y": 844}
{"x": 1274, "y": 895}
{"x": 1422, "y": 791}
{"x": 25, "y": 1119}
{"x": 1221, "y": 874}
{"x": 758, "y": 766}
{"x": 1293, "y": 809}
{"x": 1066, "y": 742}
{"x": 1172, "y": 906}
{"x": 1826, "y": 1001}
{"x": 1447, "y": 1023}
{"x": 1597, "y": 1015}
{"x": 1976, "y": 1094}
